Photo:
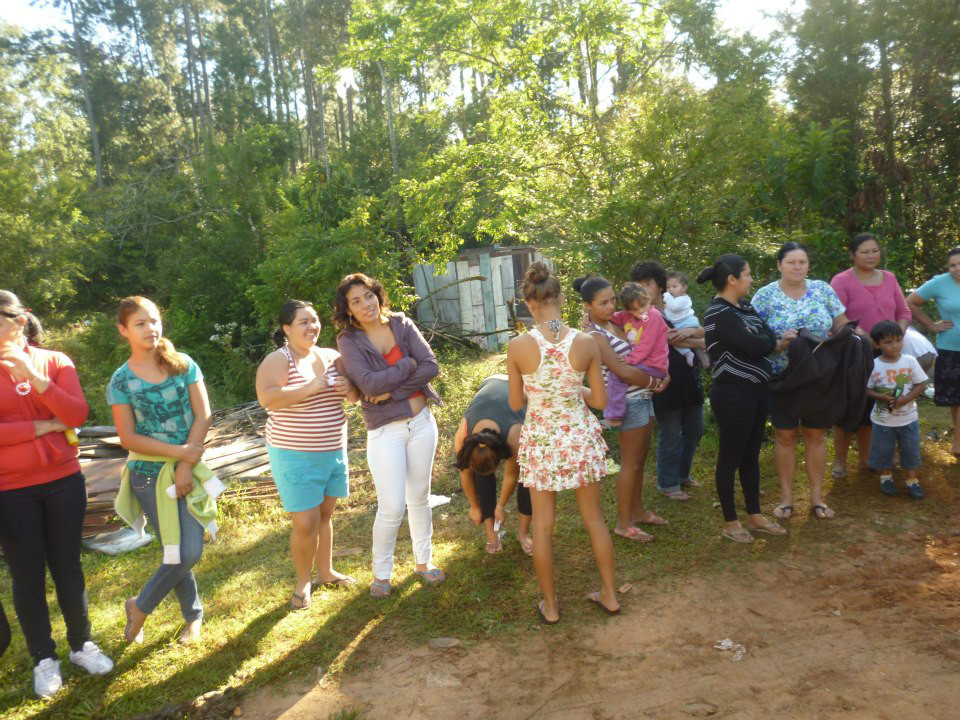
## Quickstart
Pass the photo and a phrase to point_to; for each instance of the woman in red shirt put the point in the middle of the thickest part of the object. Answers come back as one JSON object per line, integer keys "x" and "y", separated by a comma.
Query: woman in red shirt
{"x": 43, "y": 495}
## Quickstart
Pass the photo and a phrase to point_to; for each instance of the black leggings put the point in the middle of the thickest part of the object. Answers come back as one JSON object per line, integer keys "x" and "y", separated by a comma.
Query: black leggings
{"x": 40, "y": 527}
{"x": 486, "y": 488}
{"x": 4, "y": 631}
{"x": 741, "y": 413}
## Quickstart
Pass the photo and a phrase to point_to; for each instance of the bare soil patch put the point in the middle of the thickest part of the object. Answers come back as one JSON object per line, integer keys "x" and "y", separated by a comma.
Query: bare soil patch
{"x": 868, "y": 628}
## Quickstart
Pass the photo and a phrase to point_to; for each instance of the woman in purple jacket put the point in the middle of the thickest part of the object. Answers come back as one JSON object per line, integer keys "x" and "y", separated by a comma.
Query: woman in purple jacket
{"x": 386, "y": 357}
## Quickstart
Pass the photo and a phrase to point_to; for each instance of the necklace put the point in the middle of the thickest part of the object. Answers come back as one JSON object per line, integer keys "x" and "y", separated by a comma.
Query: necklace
{"x": 554, "y": 326}
{"x": 23, "y": 388}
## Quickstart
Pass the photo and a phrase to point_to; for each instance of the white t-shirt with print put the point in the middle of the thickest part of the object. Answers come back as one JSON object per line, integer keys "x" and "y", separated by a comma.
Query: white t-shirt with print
{"x": 895, "y": 379}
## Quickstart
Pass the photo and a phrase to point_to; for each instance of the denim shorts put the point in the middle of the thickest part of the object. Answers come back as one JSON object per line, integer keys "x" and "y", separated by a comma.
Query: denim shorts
{"x": 885, "y": 438}
{"x": 304, "y": 478}
{"x": 638, "y": 414}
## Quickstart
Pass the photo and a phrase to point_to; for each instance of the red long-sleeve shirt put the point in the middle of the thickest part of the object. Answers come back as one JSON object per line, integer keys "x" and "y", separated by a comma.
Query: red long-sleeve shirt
{"x": 26, "y": 459}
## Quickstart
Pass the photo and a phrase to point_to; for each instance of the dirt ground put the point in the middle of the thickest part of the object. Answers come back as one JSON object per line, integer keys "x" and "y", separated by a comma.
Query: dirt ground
{"x": 869, "y": 631}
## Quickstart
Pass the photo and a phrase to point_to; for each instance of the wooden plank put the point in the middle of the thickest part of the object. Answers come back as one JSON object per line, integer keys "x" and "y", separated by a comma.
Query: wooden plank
{"x": 496, "y": 280}
{"x": 463, "y": 296}
{"x": 503, "y": 321}
{"x": 489, "y": 316}
{"x": 95, "y": 431}
{"x": 506, "y": 273}
{"x": 451, "y": 293}
{"x": 421, "y": 282}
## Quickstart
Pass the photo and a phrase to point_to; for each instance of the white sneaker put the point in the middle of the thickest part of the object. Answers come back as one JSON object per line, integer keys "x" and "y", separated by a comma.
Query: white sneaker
{"x": 92, "y": 660}
{"x": 46, "y": 677}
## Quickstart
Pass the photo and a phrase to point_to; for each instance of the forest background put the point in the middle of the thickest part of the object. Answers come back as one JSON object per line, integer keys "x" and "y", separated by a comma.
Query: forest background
{"x": 220, "y": 157}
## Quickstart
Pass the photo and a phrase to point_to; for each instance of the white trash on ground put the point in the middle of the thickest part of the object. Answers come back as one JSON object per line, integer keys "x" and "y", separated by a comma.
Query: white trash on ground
{"x": 737, "y": 649}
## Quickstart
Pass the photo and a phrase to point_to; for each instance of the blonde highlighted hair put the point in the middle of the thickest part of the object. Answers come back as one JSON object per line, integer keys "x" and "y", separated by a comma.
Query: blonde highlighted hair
{"x": 167, "y": 356}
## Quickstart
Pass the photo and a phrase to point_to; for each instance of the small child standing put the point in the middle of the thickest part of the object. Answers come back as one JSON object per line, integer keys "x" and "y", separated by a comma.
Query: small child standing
{"x": 646, "y": 332}
{"x": 678, "y": 308}
{"x": 895, "y": 383}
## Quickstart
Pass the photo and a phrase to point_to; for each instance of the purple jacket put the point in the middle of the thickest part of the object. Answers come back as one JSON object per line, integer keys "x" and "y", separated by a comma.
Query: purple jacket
{"x": 369, "y": 371}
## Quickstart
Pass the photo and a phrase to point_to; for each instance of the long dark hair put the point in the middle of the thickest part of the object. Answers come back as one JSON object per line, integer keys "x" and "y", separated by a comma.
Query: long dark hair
{"x": 482, "y": 452}
{"x": 288, "y": 313}
{"x": 341, "y": 312}
{"x": 11, "y": 307}
{"x": 589, "y": 285}
{"x": 724, "y": 267}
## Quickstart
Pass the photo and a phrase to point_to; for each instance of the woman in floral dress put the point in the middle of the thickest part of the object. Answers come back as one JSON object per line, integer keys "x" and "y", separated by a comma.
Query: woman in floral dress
{"x": 561, "y": 443}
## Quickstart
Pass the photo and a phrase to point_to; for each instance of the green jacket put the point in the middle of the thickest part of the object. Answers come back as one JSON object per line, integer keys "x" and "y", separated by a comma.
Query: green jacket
{"x": 201, "y": 503}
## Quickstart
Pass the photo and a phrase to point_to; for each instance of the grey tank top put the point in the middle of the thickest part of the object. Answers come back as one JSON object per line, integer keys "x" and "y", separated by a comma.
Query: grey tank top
{"x": 492, "y": 403}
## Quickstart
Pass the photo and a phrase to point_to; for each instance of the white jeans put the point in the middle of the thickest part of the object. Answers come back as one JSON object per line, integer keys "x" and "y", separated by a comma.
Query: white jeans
{"x": 400, "y": 456}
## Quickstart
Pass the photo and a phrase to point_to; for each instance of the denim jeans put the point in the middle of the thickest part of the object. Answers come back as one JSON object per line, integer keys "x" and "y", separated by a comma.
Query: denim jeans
{"x": 678, "y": 436}
{"x": 40, "y": 528}
{"x": 400, "y": 456}
{"x": 178, "y": 578}
{"x": 885, "y": 440}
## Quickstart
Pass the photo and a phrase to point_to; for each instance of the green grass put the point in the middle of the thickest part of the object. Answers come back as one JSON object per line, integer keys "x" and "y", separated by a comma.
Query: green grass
{"x": 246, "y": 577}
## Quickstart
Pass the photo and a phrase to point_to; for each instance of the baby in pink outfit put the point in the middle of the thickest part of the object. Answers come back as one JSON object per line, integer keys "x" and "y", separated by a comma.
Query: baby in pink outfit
{"x": 646, "y": 332}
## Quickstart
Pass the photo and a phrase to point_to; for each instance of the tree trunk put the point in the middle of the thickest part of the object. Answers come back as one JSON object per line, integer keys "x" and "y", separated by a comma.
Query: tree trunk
{"x": 388, "y": 97}
{"x": 891, "y": 167}
{"x": 343, "y": 123}
{"x": 191, "y": 69}
{"x": 88, "y": 101}
{"x": 203, "y": 66}
{"x": 278, "y": 85}
{"x": 321, "y": 129}
{"x": 350, "y": 92}
{"x": 268, "y": 93}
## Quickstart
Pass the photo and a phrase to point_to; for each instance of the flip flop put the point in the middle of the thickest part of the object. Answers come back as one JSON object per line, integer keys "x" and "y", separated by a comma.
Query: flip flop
{"x": 594, "y": 597}
{"x": 741, "y": 535}
{"x": 340, "y": 582}
{"x": 303, "y": 599}
{"x": 824, "y": 509}
{"x": 783, "y": 512}
{"x": 543, "y": 618}
{"x": 838, "y": 471}
{"x": 634, "y": 533}
{"x": 769, "y": 529}
{"x": 674, "y": 495}
{"x": 433, "y": 576}
{"x": 527, "y": 546}
{"x": 138, "y": 638}
{"x": 493, "y": 548}
{"x": 654, "y": 519}
{"x": 380, "y": 588}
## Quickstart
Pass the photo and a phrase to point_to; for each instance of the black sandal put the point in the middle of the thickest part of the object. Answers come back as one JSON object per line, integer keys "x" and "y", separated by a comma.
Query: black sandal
{"x": 824, "y": 509}
{"x": 786, "y": 512}
{"x": 304, "y": 600}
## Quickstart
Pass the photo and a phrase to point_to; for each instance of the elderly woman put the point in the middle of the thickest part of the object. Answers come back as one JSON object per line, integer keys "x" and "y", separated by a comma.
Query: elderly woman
{"x": 788, "y": 305}
{"x": 387, "y": 358}
{"x": 303, "y": 388}
{"x": 869, "y": 295}
{"x": 944, "y": 290}
{"x": 43, "y": 495}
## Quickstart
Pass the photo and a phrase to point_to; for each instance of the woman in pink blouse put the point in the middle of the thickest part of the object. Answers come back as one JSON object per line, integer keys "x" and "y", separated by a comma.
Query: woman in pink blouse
{"x": 870, "y": 295}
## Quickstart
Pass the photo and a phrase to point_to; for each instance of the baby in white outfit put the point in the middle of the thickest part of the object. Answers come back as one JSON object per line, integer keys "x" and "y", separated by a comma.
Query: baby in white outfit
{"x": 678, "y": 309}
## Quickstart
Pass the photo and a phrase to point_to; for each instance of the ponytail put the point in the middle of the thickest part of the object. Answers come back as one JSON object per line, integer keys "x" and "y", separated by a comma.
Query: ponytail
{"x": 167, "y": 356}
{"x": 724, "y": 267}
{"x": 11, "y": 307}
{"x": 288, "y": 313}
{"x": 483, "y": 451}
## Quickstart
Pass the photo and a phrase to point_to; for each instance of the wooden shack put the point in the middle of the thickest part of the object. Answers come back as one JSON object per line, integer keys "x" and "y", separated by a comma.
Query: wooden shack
{"x": 478, "y": 295}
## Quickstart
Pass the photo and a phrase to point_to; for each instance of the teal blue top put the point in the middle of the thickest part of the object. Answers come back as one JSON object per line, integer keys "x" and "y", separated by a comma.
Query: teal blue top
{"x": 945, "y": 291}
{"x": 162, "y": 410}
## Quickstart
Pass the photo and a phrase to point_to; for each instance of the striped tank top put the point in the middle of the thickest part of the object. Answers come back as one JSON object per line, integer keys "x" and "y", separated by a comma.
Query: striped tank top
{"x": 315, "y": 424}
{"x": 622, "y": 348}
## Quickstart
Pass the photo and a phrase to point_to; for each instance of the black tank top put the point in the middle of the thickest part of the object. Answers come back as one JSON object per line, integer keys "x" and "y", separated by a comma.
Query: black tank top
{"x": 492, "y": 402}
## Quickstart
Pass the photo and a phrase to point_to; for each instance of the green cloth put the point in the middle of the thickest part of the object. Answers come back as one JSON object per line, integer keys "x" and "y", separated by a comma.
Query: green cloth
{"x": 201, "y": 502}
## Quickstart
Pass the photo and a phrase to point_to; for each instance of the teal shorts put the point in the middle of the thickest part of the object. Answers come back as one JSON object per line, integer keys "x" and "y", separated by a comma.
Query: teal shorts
{"x": 304, "y": 479}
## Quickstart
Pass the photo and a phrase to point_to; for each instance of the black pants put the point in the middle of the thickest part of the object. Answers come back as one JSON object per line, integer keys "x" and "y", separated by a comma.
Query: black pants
{"x": 741, "y": 413}
{"x": 40, "y": 527}
{"x": 486, "y": 488}
{"x": 4, "y": 631}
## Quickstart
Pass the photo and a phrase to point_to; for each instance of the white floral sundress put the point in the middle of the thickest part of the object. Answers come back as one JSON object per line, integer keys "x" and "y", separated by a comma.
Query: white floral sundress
{"x": 561, "y": 442}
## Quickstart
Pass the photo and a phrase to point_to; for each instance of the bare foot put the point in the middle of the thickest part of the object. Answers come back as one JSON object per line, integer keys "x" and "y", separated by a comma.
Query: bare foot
{"x": 190, "y": 633}
{"x": 526, "y": 543}
{"x": 648, "y": 517}
{"x": 610, "y": 607}
{"x": 133, "y": 632}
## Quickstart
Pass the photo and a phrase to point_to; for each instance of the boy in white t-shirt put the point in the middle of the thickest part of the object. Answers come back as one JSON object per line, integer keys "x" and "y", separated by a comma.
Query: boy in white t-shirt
{"x": 896, "y": 382}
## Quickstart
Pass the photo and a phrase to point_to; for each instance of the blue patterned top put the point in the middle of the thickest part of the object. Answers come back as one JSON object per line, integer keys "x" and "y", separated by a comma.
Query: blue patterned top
{"x": 162, "y": 410}
{"x": 815, "y": 311}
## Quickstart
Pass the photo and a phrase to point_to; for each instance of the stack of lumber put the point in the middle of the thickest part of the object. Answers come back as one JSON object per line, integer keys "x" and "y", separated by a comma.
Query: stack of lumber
{"x": 235, "y": 451}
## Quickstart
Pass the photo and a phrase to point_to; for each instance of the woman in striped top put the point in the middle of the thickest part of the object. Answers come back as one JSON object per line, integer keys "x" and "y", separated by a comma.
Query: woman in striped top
{"x": 738, "y": 342}
{"x": 302, "y": 388}
{"x": 599, "y": 303}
